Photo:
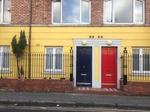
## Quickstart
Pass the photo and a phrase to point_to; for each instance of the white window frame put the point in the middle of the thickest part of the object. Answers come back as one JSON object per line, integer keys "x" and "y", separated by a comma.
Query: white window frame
{"x": 113, "y": 15}
{"x": 2, "y": 14}
{"x": 80, "y": 14}
{"x": 1, "y": 52}
{"x": 140, "y": 62}
{"x": 54, "y": 70}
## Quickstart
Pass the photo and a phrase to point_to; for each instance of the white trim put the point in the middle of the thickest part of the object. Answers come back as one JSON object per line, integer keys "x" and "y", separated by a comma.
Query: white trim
{"x": 80, "y": 11}
{"x": 133, "y": 16}
{"x": 118, "y": 67}
{"x": 96, "y": 43}
{"x": 80, "y": 22}
{"x": 1, "y": 50}
{"x": 74, "y": 64}
{"x": 140, "y": 72}
{"x": 100, "y": 66}
{"x": 93, "y": 65}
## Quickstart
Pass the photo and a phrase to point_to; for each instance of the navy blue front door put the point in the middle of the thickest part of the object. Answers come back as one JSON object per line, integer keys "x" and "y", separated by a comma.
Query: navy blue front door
{"x": 84, "y": 66}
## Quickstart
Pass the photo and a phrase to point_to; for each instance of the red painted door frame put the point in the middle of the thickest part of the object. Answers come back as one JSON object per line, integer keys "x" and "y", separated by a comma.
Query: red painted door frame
{"x": 109, "y": 67}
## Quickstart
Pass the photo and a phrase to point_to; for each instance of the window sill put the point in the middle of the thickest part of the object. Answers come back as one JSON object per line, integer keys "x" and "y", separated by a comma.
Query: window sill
{"x": 140, "y": 72}
{"x": 77, "y": 25}
{"x": 70, "y": 24}
{"x": 5, "y": 72}
{"x": 124, "y": 24}
{"x": 5, "y": 23}
{"x": 47, "y": 72}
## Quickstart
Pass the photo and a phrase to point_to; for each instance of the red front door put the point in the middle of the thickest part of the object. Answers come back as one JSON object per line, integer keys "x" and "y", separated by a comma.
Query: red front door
{"x": 109, "y": 67}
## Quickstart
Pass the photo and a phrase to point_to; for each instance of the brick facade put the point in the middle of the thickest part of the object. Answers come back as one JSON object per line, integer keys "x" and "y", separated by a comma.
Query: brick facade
{"x": 41, "y": 12}
{"x": 20, "y": 11}
{"x": 137, "y": 88}
{"x": 147, "y": 14}
{"x": 96, "y": 12}
{"x": 40, "y": 85}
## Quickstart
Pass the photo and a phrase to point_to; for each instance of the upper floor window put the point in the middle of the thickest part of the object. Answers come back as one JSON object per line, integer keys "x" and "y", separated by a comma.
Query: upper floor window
{"x": 71, "y": 11}
{"x": 124, "y": 11}
{"x": 5, "y": 15}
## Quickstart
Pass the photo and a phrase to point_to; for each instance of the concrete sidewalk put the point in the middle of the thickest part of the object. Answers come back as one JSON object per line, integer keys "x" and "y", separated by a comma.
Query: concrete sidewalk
{"x": 73, "y": 100}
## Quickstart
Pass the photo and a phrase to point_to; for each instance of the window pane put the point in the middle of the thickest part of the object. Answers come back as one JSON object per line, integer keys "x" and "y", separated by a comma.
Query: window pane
{"x": 136, "y": 60}
{"x": 5, "y": 57}
{"x": 7, "y": 14}
{"x": 108, "y": 11}
{"x": 146, "y": 59}
{"x": 85, "y": 11}
{"x": 0, "y": 57}
{"x": 49, "y": 58}
{"x": 0, "y": 10}
{"x": 146, "y": 62}
{"x": 123, "y": 11}
{"x": 58, "y": 59}
{"x": 139, "y": 11}
{"x": 57, "y": 11}
{"x": 71, "y": 11}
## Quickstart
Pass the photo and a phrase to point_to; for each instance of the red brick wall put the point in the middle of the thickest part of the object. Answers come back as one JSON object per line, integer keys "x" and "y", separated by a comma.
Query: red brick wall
{"x": 137, "y": 88}
{"x": 96, "y": 12}
{"x": 42, "y": 12}
{"x": 20, "y": 11}
{"x": 147, "y": 14}
{"x": 36, "y": 85}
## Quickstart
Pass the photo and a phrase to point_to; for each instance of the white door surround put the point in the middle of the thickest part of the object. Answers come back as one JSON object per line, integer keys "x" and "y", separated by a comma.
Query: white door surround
{"x": 94, "y": 43}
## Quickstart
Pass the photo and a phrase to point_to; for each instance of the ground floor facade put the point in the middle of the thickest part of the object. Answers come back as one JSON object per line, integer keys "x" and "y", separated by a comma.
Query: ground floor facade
{"x": 92, "y": 56}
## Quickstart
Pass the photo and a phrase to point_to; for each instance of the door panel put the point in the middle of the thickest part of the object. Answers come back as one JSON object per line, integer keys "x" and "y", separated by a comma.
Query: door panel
{"x": 109, "y": 67}
{"x": 84, "y": 66}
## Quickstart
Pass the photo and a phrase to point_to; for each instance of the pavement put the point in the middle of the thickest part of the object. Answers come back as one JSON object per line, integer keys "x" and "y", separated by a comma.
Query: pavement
{"x": 73, "y": 100}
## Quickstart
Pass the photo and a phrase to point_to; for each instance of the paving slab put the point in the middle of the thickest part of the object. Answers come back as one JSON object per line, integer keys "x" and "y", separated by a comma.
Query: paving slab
{"x": 73, "y": 100}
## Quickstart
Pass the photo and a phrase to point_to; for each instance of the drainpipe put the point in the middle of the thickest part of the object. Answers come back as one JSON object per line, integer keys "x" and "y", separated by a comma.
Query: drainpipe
{"x": 30, "y": 35}
{"x": 71, "y": 64}
{"x": 125, "y": 66}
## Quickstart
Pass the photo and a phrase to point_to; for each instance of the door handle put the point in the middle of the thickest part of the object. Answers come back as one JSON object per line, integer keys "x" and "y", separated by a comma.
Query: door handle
{"x": 108, "y": 75}
{"x": 83, "y": 66}
{"x": 82, "y": 74}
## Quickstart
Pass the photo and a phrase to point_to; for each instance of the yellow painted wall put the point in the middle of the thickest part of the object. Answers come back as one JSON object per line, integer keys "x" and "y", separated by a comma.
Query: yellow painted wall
{"x": 64, "y": 36}
{"x": 96, "y": 64}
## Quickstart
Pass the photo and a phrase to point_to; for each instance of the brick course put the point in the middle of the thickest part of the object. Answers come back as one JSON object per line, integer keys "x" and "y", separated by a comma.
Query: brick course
{"x": 96, "y": 12}
{"x": 20, "y": 11}
{"x": 147, "y": 13}
{"x": 41, "y": 12}
{"x": 137, "y": 88}
{"x": 40, "y": 85}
